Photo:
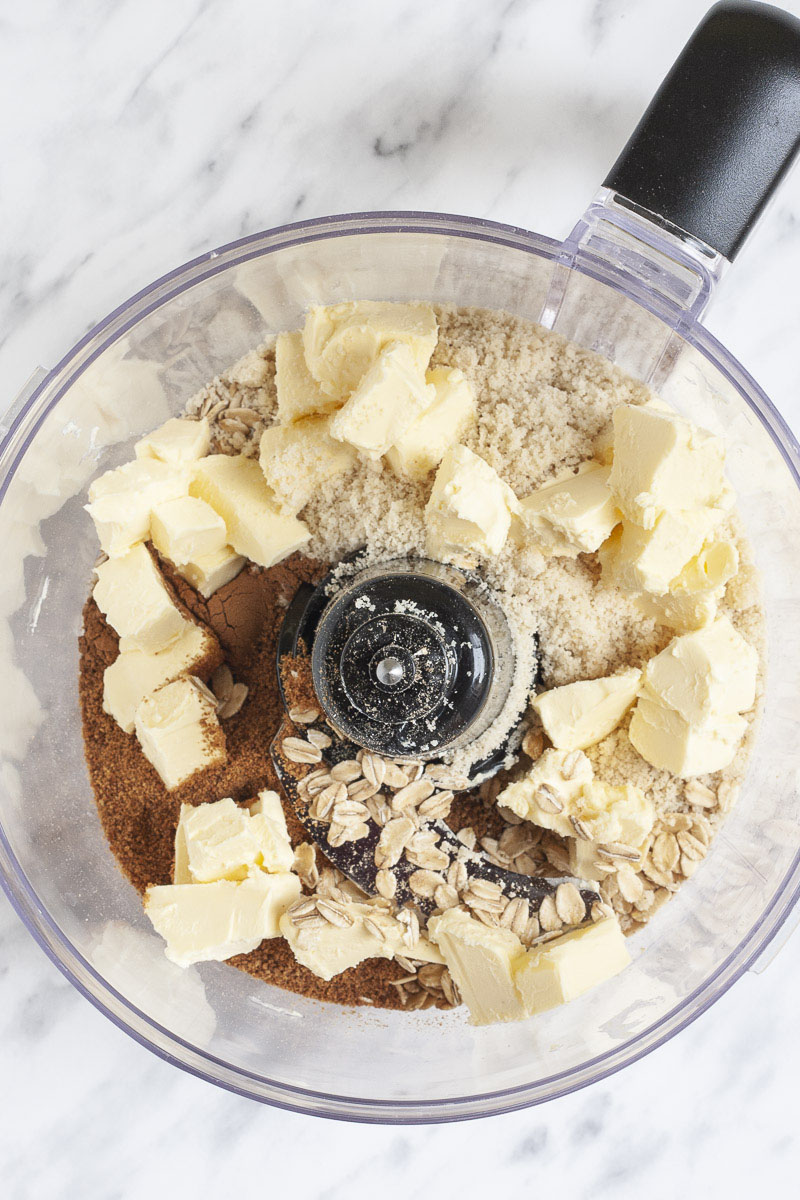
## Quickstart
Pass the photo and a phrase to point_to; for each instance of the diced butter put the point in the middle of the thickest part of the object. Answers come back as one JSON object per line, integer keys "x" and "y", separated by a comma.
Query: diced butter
{"x": 186, "y": 529}
{"x": 704, "y": 673}
{"x": 564, "y": 968}
{"x": 299, "y": 394}
{"x": 178, "y": 731}
{"x": 663, "y": 463}
{"x": 555, "y": 778}
{"x": 560, "y": 789}
{"x": 469, "y": 510}
{"x": 391, "y": 396}
{"x": 667, "y": 740}
{"x": 444, "y": 423}
{"x": 343, "y": 341}
{"x": 500, "y": 980}
{"x": 135, "y": 673}
{"x": 328, "y": 949}
{"x": 647, "y": 560}
{"x": 268, "y": 824}
{"x": 131, "y": 594}
{"x": 180, "y": 862}
{"x": 122, "y": 501}
{"x": 178, "y": 441}
{"x": 210, "y": 572}
{"x": 220, "y": 843}
{"x": 572, "y": 515}
{"x": 213, "y": 921}
{"x": 296, "y": 459}
{"x": 580, "y": 714}
{"x": 235, "y": 487}
{"x": 691, "y": 603}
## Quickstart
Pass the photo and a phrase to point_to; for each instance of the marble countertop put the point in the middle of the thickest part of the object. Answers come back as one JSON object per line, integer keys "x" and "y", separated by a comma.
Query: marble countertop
{"x": 141, "y": 134}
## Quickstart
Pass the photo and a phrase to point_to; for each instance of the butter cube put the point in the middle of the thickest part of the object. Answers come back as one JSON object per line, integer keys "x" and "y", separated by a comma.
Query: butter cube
{"x": 443, "y": 424}
{"x": 691, "y": 603}
{"x": 564, "y": 968}
{"x": 328, "y": 949}
{"x": 186, "y": 529}
{"x": 470, "y": 508}
{"x": 122, "y": 501}
{"x": 572, "y": 515}
{"x": 208, "y": 573}
{"x": 483, "y": 962}
{"x": 580, "y": 714}
{"x": 219, "y": 841}
{"x": 663, "y": 463}
{"x": 203, "y": 922}
{"x": 388, "y": 400}
{"x": 178, "y": 731}
{"x": 668, "y": 741}
{"x": 297, "y": 459}
{"x": 131, "y": 594}
{"x": 648, "y": 560}
{"x": 704, "y": 673}
{"x": 546, "y": 794}
{"x": 268, "y": 827}
{"x": 235, "y": 487}
{"x": 180, "y": 862}
{"x": 343, "y": 341}
{"x": 178, "y": 441}
{"x": 299, "y": 394}
{"x": 135, "y": 673}
{"x": 560, "y": 790}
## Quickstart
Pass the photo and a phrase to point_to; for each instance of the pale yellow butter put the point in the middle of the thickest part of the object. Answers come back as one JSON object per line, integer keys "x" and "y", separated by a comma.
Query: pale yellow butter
{"x": 663, "y": 463}
{"x": 572, "y": 515}
{"x": 444, "y": 423}
{"x": 178, "y": 441}
{"x": 579, "y": 714}
{"x": 648, "y": 560}
{"x": 210, "y": 572}
{"x": 187, "y": 529}
{"x": 299, "y": 394}
{"x": 135, "y": 673}
{"x": 131, "y": 594}
{"x": 704, "y": 673}
{"x": 220, "y": 843}
{"x": 328, "y": 949}
{"x": 667, "y": 740}
{"x": 123, "y": 500}
{"x": 342, "y": 341}
{"x": 693, "y": 598}
{"x": 178, "y": 730}
{"x": 268, "y": 826}
{"x": 296, "y": 459}
{"x": 203, "y": 922}
{"x": 470, "y": 508}
{"x": 565, "y": 968}
{"x": 235, "y": 488}
{"x": 483, "y": 962}
{"x": 391, "y": 396}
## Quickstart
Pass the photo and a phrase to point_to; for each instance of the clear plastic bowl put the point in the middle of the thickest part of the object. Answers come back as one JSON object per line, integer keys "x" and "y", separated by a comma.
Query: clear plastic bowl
{"x": 131, "y": 372}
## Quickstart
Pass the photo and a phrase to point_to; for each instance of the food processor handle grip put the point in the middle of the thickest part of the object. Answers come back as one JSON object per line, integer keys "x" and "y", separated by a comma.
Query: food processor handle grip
{"x": 723, "y": 128}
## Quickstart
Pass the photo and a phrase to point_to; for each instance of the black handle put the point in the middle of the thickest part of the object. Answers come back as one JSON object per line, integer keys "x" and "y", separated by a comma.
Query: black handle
{"x": 722, "y": 129}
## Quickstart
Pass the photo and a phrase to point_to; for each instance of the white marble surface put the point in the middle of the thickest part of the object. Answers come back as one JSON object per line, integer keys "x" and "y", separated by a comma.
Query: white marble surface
{"x": 139, "y": 134}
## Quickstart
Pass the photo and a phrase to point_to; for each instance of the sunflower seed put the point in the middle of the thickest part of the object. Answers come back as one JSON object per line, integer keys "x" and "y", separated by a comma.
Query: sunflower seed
{"x": 547, "y": 799}
{"x": 386, "y": 884}
{"x": 569, "y": 904}
{"x": 234, "y": 702}
{"x": 222, "y": 682}
{"x": 549, "y": 919}
{"x": 334, "y": 914}
{"x": 303, "y": 716}
{"x": 318, "y": 739}
{"x": 346, "y": 771}
{"x": 299, "y": 751}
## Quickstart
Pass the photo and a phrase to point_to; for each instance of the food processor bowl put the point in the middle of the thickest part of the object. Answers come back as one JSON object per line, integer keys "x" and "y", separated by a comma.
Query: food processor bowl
{"x": 625, "y": 285}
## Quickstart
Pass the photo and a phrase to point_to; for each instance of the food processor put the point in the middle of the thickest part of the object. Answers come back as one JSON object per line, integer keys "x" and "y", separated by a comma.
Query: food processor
{"x": 631, "y": 282}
